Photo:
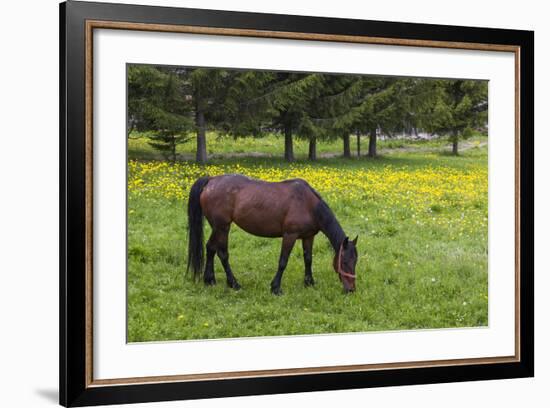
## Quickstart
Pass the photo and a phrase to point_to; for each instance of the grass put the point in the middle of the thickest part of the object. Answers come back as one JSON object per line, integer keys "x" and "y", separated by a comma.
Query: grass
{"x": 139, "y": 148}
{"x": 421, "y": 218}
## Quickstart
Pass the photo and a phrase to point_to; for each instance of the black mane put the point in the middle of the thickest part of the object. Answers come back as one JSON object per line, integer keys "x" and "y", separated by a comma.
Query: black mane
{"x": 329, "y": 224}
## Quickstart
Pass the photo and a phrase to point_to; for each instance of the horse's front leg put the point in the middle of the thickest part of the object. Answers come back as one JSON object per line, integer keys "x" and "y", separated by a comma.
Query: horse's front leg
{"x": 286, "y": 248}
{"x": 307, "y": 245}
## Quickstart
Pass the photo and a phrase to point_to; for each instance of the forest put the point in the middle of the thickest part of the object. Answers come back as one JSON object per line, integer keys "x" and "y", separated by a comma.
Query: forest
{"x": 173, "y": 105}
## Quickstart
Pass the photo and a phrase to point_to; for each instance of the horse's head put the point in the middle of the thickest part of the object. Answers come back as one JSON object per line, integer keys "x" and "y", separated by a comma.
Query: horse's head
{"x": 344, "y": 263}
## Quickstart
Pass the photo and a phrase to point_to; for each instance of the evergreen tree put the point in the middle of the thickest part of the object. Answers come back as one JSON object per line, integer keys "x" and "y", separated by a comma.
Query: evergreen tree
{"x": 155, "y": 104}
{"x": 378, "y": 110}
{"x": 345, "y": 95}
{"x": 207, "y": 92}
{"x": 290, "y": 100}
{"x": 246, "y": 110}
{"x": 357, "y": 105}
{"x": 252, "y": 103}
{"x": 334, "y": 97}
{"x": 458, "y": 107}
{"x": 280, "y": 104}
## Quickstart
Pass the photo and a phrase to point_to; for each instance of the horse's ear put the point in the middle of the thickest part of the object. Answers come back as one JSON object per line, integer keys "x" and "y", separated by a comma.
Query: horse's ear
{"x": 345, "y": 243}
{"x": 355, "y": 240}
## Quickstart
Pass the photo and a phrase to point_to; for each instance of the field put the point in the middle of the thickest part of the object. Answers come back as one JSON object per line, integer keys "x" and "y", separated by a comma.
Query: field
{"x": 270, "y": 146}
{"x": 421, "y": 217}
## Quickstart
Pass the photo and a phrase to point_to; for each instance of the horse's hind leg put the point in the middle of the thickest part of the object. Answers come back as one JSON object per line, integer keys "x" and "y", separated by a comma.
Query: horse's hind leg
{"x": 223, "y": 254}
{"x": 211, "y": 246}
{"x": 307, "y": 245}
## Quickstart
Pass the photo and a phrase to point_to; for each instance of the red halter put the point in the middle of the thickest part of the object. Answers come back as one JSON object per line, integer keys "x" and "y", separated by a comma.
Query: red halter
{"x": 339, "y": 266}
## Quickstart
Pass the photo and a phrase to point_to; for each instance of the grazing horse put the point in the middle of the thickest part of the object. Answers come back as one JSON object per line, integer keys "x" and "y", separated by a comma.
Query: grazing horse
{"x": 290, "y": 209}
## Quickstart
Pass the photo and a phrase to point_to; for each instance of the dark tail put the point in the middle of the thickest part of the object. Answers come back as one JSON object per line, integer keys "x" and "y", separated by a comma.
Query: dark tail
{"x": 195, "y": 250}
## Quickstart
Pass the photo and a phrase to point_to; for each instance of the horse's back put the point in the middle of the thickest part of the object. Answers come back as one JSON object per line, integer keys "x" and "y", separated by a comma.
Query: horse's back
{"x": 260, "y": 207}
{"x": 238, "y": 184}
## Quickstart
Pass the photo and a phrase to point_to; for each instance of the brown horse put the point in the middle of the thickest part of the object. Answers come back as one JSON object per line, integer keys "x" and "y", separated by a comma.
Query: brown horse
{"x": 290, "y": 209}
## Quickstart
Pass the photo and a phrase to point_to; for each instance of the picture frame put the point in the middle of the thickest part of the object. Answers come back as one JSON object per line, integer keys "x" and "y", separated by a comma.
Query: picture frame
{"x": 79, "y": 21}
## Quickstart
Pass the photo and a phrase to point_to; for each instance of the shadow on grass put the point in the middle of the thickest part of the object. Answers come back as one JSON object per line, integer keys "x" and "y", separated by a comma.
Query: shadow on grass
{"x": 407, "y": 159}
{"x": 394, "y": 160}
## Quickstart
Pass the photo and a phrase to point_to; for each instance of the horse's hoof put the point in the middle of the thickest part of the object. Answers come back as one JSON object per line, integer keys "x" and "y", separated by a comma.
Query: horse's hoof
{"x": 308, "y": 281}
{"x": 277, "y": 291}
{"x": 210, "y": 282}
{"x": 234, "y": 285}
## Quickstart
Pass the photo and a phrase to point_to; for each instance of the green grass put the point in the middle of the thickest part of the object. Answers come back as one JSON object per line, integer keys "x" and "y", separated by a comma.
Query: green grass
{"x": 419, "y": 267}
{"x": 139, "y": 148}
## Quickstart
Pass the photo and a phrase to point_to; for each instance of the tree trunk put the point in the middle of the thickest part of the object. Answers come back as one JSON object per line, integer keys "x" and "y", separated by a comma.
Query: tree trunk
{"x": 289, "y": 149}
{"x": 173, "y": 148}
{"x": 312, "y": 155}
{"x": 201, "y": 137}
{"x": 455, "y": 147}
{"x": 358, "y": 144}
{"x": 347, "y": 150}
{"x": 372, "y": 143}
{"x": 130, "y": 128}
{"x": 454, "y": 139}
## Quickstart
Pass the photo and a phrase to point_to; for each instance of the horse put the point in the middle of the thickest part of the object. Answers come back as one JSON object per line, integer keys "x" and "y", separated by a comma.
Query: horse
{"x": 290, "y": 209}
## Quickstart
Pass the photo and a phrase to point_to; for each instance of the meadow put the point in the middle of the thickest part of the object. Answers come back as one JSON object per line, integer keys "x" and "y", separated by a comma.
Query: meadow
{"x": 222, "y": 147}
{"x": 420, "y": 214}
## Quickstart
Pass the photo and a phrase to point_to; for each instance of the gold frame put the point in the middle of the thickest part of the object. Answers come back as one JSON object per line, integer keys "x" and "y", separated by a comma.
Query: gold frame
{"x": 100, "y": 24}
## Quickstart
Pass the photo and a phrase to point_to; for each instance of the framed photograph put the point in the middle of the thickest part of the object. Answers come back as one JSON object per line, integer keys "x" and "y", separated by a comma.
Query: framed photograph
{"x": 256, "y": 204}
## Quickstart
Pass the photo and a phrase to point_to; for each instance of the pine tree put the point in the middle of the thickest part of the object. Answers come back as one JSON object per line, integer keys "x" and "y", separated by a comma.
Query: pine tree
{"x": 260, "y": 102}
{"x": 207, "y": 92}
{"x": 155, "y": 104}
{"x": 377, "y": 111}
{"x": 246, "y": 110}
{"x": 353, "y": 104}
{"x": 334, "y": 96}
{"x": 289, "y": 99}
{"x": 457, "y": 109}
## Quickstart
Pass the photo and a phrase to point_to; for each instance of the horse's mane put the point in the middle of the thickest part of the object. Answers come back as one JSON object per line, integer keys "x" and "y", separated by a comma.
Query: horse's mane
{"x": 329, "y": 224}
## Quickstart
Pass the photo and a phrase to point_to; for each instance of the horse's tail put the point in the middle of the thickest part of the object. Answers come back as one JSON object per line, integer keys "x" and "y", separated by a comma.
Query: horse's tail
{"x": 195, "y": 223}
